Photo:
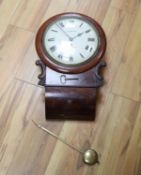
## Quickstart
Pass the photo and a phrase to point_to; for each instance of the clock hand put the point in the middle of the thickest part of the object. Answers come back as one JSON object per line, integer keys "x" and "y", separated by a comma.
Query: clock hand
{"x": 79, "y": 34}
{"x": 64, "y": 33}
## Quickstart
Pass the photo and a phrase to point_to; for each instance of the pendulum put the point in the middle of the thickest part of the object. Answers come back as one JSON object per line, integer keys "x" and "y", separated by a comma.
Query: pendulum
{"x": 90, "y": 156}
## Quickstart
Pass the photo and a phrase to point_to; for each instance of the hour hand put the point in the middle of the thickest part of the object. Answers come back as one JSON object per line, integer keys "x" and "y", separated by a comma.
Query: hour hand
{"x": 79, "y": 34}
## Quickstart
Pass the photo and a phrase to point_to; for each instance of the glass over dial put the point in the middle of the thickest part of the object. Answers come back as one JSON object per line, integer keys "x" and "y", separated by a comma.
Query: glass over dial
{"x": 70, "y": 41}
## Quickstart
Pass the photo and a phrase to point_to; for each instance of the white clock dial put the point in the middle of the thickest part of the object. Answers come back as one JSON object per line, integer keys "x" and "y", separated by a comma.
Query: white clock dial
{"x": 71, "y": 41}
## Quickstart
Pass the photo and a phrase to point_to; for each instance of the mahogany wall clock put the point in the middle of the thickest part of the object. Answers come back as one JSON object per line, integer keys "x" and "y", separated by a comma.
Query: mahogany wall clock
{"x": 70, "y": 47}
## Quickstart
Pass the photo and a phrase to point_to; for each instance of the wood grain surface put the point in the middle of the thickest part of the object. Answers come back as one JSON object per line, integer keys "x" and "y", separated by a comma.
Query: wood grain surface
{"x": 116, "y": 132}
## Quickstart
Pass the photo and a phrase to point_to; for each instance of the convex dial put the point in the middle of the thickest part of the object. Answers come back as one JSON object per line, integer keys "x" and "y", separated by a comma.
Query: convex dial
{"x": 71, "y": 40}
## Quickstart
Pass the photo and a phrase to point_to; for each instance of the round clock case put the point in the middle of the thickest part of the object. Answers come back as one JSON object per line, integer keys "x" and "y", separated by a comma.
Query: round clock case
{"x": 64, "y": 68}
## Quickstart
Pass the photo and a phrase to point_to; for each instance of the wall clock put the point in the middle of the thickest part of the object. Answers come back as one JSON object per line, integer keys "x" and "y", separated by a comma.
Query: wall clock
{"x": 70, "y": 47}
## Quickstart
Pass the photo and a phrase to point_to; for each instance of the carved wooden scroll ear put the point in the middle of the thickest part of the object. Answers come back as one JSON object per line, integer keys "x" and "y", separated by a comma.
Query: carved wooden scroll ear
{"x": 98, "y": 78}
{"x": 42, "y": 76}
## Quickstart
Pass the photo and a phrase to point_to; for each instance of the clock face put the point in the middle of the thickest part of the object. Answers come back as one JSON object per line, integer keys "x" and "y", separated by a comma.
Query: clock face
{"x": 71, "y": 40}
{"x": 70, "y": 43}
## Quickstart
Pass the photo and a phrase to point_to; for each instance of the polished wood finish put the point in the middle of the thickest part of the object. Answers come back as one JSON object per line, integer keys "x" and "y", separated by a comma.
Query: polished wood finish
{"x": 90, "y": 78}
{"x": 70, "y": 103}
{"x": 115, "y": 133}
{"x": 70, "y": 96}
{"x": 70, "y": 69}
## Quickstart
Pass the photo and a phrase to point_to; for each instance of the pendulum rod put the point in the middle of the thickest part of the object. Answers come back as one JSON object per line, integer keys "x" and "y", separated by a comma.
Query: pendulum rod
{"x": 90, "y": 156}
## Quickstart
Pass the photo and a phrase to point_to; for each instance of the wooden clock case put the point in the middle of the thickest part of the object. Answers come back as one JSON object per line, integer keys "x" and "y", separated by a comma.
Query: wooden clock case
{"x": 70, "y": 91}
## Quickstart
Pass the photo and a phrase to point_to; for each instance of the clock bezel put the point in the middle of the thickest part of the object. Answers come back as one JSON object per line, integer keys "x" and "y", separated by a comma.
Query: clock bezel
{"x": 82, "y": 67}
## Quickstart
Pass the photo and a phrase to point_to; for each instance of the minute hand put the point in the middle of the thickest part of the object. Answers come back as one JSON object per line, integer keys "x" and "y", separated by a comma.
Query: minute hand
{"x": 64, "y": 32}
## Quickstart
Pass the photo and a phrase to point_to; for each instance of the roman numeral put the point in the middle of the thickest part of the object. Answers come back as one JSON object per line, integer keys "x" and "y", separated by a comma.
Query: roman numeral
{"x": 60, "y": 56}
{"x": 91, "y": 49}
{"x": 82, "y": 56}
{"x": 81, "y": 24}
{"x": 53, "y": 48}
{"x": 54, "y": 30}
{"x": 87, "y": 31}
{"x": 61, "y": 24}
{"x": 71, "y": 59}
{"x": 71, "y": 21}
{"x": 51, "y": 39}
{"x": 87, "y": 47}
{"x": 91, "y": 39}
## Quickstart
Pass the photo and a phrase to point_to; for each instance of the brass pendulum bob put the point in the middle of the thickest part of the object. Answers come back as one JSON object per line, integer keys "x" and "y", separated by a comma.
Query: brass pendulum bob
{"x": 90, "y": 156}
